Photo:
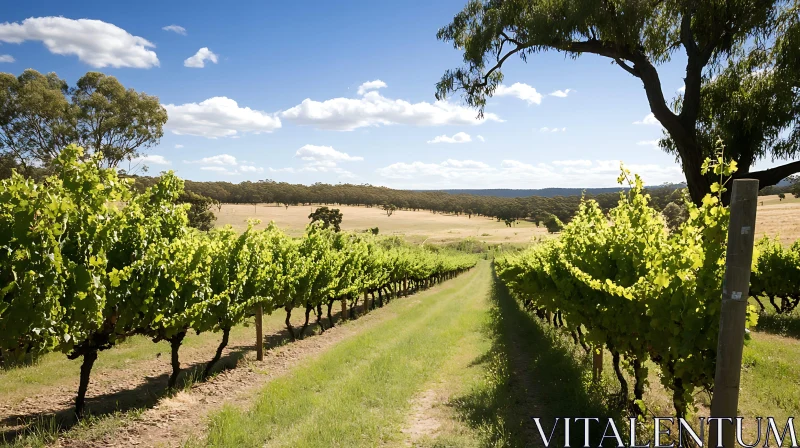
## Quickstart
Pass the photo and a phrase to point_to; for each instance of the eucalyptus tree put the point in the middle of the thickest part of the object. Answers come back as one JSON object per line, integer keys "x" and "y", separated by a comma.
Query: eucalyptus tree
{"x": 741, "y": 67}
{"x": 40, "y": 115}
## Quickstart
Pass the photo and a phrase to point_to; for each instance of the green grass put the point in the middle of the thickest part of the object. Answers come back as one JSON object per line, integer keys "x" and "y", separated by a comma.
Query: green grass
{"x": 469, "y": 342}
{"x": 529, "y": 371}
{"x": 771, "y": 377}
{"x": 357, "y": 394}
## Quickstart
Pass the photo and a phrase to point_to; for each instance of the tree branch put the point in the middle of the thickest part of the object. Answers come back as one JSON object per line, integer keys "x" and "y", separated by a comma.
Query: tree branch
{"x": 626, "y": 67}
{"x": 772, "y": 176}
{"x": 500, "y": 61}
{"x": 695, "y": 61}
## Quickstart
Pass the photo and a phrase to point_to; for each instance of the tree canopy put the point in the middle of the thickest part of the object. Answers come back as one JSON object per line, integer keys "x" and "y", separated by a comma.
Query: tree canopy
{"x": 329, "y": 217}
{"x": 40, "y": 115}
{"x": 741, "y": 83}
{"x": 199, "y": 213}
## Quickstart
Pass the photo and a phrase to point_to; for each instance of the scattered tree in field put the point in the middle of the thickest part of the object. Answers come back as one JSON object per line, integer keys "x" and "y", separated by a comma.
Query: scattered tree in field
{"x": 40, "y": 115}
{"x": 389, "y": 209}
{"x": 553, "y": 224}
{"x": 795, "y": 188}
{"x": 329, "y": 217}
{"x": 781, "y": 196}
{"x": 675, "y": 214}
{"x": 742, "y": 68}
{"x": 200, "y": 215}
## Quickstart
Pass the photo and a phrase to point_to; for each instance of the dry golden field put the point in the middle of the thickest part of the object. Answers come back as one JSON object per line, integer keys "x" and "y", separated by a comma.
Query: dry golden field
{"x": 781, "y": 218}
{"x": 775, "y": 218}
{"x": 415, "y": 226}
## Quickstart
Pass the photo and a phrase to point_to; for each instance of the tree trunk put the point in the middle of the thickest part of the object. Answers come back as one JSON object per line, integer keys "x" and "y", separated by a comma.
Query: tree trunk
{"x": 289, "y": 322}
{"x": 319, "y": 317}
{"x": 309, "y": 307}
{"x": 330, "y": 316}
{"x": 623, "y": 384}
{"x": 86, "y": 369}
{"x": 175, "y": 345}
{"x": 226, "y": 332}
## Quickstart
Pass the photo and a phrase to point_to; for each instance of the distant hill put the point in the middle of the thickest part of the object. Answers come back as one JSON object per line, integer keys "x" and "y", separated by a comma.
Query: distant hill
{"x": 544, "y": 192}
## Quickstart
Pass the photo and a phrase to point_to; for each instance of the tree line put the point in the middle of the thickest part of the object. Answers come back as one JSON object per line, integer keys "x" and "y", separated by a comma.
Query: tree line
{"x": 507, "y": 209}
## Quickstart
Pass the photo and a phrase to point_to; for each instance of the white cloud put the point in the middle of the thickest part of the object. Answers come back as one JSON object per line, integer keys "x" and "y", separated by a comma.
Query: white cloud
{"x": 6, "y": 58}
{"x": 521, "y": 91}
{"x": 222, "y": 159}
{"x": 199, "y": 58}
{"x": 175, "y": 29}
{"x": 220, "y": 170}
{"x": 648, "y": 119}
{"x": 653, "y": 143}
{"x": 371, "y": 85}
{"x": 225, "y": 164}
{"x": 518, "y": 174}
{"x": 372, "y": 109}
{"x": 321, "y": 159}
{"x": 178, "y": 146}
{"x": 449, "y": 169}
{"x": 95, "y": 42}
{"x": 461, "y": 137}
{"x": 218, "y": 117}
{"x": 251, "y": 169}
{"x": 561, "y": 93}
{"x": 151, "y": 159}
{"x": 546, "y": 129}
{"x": 314, "y": 153}
{"x": 682, "y": 89}
{"x": 572, "y": 162}
{"x": 480, "y": 137}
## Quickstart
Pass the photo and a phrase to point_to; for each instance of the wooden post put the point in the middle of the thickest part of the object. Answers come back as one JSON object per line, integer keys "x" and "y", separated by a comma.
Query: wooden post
{"x": 366, "y": 302}
{"x": 735, "y": 293}
{"x": 549, "y": 317}
{"x": 259, "y": 333}
{"x": 405, "y": 286}
{"x": 597, "y": 363}
{"x": 344, "y": 310}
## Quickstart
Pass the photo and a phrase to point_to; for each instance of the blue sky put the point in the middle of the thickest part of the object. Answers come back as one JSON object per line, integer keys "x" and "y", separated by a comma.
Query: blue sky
{"x": 282, "y": 99}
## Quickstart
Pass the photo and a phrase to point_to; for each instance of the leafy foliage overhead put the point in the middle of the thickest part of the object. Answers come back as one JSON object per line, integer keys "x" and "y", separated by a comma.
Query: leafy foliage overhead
{"x": 741, "y": 80}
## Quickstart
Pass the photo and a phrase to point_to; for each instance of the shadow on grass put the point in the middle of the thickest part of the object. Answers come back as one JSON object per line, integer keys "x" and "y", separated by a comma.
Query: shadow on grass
{"x": 780, "y": 324}
{"x": 46, "y": 425}
{"x": 531, "y": 372}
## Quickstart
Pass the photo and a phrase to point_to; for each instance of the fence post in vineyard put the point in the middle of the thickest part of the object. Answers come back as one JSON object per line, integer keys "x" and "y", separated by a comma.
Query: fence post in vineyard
{"x": 344, "y": 309}
{"x": 735, "y": 293}
{"x": 259, "y": 333}
{"x": 597, "y": 363}
{"x": 366, "y": 301}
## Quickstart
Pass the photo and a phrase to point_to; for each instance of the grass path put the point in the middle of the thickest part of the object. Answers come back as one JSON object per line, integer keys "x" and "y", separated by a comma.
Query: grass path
{"x": 358, "y": 393}
{"x": 463, "y": 366}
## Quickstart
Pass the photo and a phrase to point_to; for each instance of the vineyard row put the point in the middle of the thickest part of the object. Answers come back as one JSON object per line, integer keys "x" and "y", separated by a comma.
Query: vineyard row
{"x": 86, "y": 262}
